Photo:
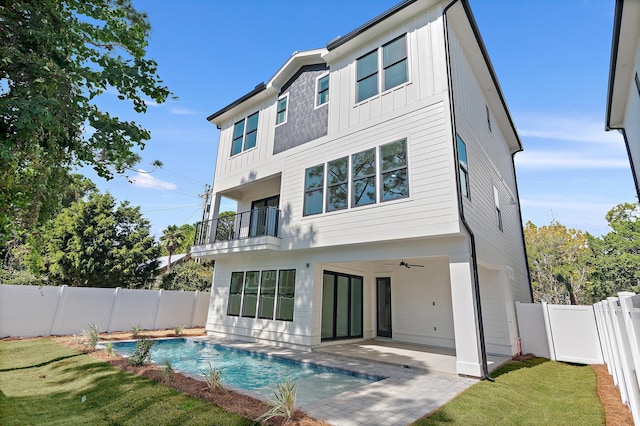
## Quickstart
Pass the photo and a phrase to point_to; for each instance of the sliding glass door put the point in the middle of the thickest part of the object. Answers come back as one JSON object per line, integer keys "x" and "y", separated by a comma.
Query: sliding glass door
{"x": 341, "y": 306}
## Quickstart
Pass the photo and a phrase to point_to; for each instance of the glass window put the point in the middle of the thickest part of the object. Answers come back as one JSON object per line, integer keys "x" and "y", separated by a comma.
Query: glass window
{"x": 323, "y": 90}
{"x": 286, "y": 294}
{"x": 337, "y": 184}
{"x": 281, "y": 115}
{"x": 367, "y": 76}
{"x": 267, "y": 294}
{"x": 363, "y": 172}
{"x": 463, "y": 167}
{"x": 252, "y": 131}
{"x": 313, "y": 185}
{"x": 250, "y": 296}
{"x": 393, "y": 173}
{"x": 238, "y": 134}
{"x": 496, "y": 199}
{"x": 235, "y": 294}
{"x": 394, "y": 62}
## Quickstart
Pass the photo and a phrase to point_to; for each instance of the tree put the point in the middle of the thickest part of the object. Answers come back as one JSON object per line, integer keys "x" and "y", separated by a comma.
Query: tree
{"x": 558, "y": 264}
{"x": 96, "y": 243}
{"x": 56, "y": 58}
{"x": 171, "y": 239}
{"x": 616, "y": 255}
{"x": 189, "y": 233}
{"x": 225, "y": 226}
{"x": 188, "y": 276}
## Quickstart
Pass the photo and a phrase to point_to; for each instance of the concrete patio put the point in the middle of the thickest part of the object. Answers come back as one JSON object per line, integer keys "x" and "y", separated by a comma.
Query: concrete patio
{"x": 417, "y": 380}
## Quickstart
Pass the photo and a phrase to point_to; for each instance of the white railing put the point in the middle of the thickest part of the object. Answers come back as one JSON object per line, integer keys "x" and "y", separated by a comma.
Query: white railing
{"x": 27, "y": 311}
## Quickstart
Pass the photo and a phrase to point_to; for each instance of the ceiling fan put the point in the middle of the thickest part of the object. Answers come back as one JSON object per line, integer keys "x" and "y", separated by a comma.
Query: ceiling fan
{"x": 405, "y": 264}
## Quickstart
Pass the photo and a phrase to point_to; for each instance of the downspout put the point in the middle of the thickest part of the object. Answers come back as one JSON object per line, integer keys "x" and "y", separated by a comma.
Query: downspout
{"x": 472, "y": 240}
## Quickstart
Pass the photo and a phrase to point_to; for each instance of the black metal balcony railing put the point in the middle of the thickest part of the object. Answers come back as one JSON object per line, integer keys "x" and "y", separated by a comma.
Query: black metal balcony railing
{"x": 255, "y": 223}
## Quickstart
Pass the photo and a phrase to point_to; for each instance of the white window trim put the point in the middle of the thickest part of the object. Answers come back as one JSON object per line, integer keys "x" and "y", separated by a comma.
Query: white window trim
{"x": 380, "y": 72}
{"x": 286, "y": 110}
{"x": 315, "y": 100}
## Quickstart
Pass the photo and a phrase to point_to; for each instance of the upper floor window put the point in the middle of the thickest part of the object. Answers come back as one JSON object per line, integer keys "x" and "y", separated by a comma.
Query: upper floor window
{"x": 245, "y": 134}
{"x": 363, "y": 171}
{"x": 281, "y": 115}
{"x": 394, "y": 62}
{"x": 393, "y": 171}
{"x": 463, "y": 167}
{"x": 313, "y": 190}
{"x": 338, "y": 184}
{"x": 496, "y": 199}
{"x": 322, "y": 90}
{"x": 367, "y": 76}
{"x": 394, "y": 69}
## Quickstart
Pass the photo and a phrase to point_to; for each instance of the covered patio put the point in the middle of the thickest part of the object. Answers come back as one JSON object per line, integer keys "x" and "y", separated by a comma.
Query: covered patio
{"x": 429, "y": 359}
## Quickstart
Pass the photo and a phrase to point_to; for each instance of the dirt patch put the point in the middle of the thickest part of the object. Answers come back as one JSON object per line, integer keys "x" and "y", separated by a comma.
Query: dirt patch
{"x": 616, "y": 413}
{"x": 235, "y": 402}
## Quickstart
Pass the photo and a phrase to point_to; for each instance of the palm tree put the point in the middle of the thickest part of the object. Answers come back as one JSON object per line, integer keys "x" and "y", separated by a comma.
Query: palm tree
{"x": 171, "y": 239}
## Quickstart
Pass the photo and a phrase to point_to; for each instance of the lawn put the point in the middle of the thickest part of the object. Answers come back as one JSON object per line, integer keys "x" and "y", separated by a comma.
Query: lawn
{"x": 533, "y": 392}
{"x": 42, "y": 382}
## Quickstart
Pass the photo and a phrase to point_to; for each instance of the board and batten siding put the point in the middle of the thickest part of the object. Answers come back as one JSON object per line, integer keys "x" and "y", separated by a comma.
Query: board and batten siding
{"x": 427, "y": 73}
{"x": 431, "y": 208}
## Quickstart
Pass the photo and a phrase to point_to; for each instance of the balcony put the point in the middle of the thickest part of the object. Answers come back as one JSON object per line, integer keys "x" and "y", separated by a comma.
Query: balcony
{"x": 251, "y": 230}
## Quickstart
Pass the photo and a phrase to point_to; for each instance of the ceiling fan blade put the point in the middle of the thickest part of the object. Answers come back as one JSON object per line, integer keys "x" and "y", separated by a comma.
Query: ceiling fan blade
{"x": 412, "y": 265}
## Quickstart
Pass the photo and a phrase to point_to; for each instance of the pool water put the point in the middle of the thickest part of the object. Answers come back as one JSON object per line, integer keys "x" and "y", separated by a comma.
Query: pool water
{"x": 252, "y": 371}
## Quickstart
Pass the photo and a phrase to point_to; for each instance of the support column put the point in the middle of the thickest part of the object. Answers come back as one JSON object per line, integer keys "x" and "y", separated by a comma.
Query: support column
{"x": 465, "y": 321}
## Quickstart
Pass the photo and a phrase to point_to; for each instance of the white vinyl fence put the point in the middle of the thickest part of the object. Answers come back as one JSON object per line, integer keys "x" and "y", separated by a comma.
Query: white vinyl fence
{"x": 27, "y": 311}
{"x": 608, "y": 331}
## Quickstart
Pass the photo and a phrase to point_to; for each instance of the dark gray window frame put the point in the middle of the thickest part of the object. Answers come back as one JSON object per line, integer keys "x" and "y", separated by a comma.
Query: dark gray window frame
{"x": 309, "y": 190}
{"x": 396, "y": 169}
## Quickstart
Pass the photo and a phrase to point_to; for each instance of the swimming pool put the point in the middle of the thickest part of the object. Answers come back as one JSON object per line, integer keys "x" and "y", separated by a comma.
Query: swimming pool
{"x": 252, "y": 371}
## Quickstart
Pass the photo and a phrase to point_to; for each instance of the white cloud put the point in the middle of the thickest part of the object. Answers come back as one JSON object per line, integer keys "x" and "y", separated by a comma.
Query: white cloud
{"x": 145, "y": 180}
{"x": 182, "y": 111}
{"x": 566, "y": 128}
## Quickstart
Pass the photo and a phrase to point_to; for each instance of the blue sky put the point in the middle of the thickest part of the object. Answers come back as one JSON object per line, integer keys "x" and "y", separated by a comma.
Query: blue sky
{"x": 551, "y": 58}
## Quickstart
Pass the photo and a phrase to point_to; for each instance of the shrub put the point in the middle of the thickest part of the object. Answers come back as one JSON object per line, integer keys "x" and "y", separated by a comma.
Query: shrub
{"x": 178, "y": 330}
{"x": 213, "y": 378}
{"x": 283, "y": 403}
{"x": 136, "y": 330}
{"x": 91, "y": 336}
{"x": 167, "y": 371}
{"x": 109, "y": 348}
{"x": 142, "y": 354}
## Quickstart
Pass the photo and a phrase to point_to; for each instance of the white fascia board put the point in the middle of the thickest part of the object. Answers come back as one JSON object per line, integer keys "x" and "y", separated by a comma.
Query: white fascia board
{"x": 623, "y": 65}
{"x": 295, "y": 62}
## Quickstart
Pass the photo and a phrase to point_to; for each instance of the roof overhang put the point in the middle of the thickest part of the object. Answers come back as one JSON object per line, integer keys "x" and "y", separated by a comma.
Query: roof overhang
{"x": 626, "y": 27}
{"x": 460, "y": 17}
{"x": 264, "y": 90}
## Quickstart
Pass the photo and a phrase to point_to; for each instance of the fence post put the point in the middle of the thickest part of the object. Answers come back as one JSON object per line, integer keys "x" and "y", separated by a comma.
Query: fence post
{"x": 194, "y": 309}
{"x": 155, "y": 317}
{"x": 614, "y": 308}
{"x": 627, "y": 358}
{"x": 56, "y": 316}
{"x": 547, "y": 326}
{"x": 114, "y": 306}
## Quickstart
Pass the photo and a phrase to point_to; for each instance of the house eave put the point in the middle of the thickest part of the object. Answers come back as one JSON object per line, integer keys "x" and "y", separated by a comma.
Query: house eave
{"x": 621, "y": 69}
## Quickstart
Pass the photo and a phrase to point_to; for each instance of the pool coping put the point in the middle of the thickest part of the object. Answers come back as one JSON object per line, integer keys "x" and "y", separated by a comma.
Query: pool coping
{"x": 402, "y": 396}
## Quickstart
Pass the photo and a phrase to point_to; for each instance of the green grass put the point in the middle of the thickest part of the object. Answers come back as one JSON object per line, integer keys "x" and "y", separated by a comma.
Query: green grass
{"x": 42, "y": 382}
{"x": 534, "y": 392}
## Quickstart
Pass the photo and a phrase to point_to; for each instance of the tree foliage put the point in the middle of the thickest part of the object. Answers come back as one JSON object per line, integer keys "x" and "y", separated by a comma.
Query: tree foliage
{"x": 558, "y": 265}
{"x": 188, "y": 276}
{"x": 96, "y": 243}
{"x": 616, "y": 255}
{"x": 171, "y": 239}
{"x": 188, "y": 236}
{"x": 56, "y": 58}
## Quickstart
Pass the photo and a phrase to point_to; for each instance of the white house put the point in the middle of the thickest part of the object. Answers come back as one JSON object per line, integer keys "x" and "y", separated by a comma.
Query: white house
{"x": 376, "y": 195}
{"x": 623, "y": 97}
